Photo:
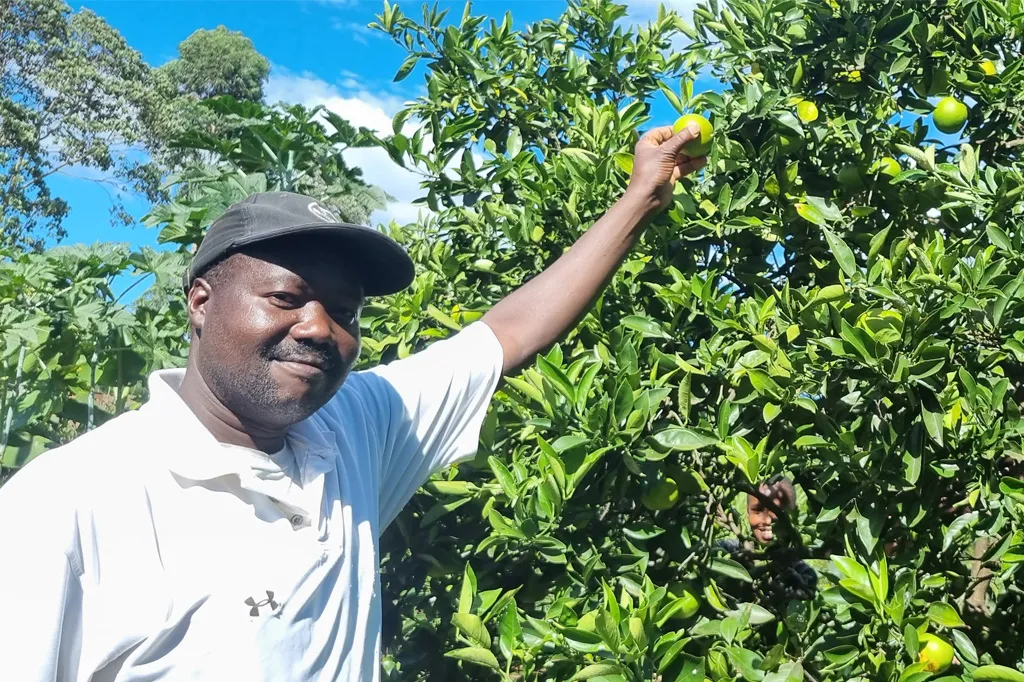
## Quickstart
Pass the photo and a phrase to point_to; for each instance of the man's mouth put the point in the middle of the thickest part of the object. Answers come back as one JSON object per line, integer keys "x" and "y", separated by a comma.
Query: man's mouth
{"x": 305, "y": 367}
{"x": 765, "y": 533}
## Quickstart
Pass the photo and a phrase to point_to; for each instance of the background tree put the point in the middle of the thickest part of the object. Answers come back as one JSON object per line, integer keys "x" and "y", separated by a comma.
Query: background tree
{"x": 75, "y": 97}
{"x": 836, "y": 299}
{"x": 218, "y": 62}
{"x": 72, "y": 94}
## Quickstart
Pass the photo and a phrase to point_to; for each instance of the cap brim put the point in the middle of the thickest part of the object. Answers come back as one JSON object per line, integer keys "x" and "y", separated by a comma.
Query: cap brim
{"x": 382, "y": 265}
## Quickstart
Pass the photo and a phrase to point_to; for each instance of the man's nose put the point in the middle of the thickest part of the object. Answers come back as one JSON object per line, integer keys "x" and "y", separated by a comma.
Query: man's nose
{"x": 315, "y": 324}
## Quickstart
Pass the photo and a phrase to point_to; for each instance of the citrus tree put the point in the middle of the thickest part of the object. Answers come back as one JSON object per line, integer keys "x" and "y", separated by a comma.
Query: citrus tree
{"x": 835, "y": 300}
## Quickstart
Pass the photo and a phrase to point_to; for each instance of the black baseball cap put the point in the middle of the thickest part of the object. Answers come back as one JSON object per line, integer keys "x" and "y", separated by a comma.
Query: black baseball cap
{"x": 382, "y": 264}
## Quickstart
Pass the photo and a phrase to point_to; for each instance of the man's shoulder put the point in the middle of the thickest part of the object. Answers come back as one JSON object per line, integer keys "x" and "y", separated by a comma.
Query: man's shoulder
{"x": 104, "y": 454}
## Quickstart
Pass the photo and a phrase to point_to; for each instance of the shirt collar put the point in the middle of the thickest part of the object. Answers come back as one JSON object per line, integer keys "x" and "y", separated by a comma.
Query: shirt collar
{"x": 196, "y": 455}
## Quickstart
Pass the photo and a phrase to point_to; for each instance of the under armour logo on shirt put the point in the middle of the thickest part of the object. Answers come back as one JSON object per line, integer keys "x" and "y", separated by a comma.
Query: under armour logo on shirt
{"x": 255, "y": 610}
{"x": 321, "y": 212}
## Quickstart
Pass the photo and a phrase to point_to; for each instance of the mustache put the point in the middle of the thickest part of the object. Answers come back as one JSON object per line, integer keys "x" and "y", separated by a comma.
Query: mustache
{"x": 307, "y": 353}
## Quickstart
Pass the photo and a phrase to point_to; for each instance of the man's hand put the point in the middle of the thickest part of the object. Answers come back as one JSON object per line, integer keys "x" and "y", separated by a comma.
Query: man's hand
{"x": 540, "y": 312}
{"x": 659, "y": 163}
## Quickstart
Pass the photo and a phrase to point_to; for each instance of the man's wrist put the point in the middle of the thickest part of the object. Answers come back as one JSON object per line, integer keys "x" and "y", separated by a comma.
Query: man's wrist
{"x": 643, "y": 205}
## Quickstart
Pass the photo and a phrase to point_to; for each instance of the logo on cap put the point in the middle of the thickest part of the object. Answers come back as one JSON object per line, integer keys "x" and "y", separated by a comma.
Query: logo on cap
{"x": 321, "y": 212}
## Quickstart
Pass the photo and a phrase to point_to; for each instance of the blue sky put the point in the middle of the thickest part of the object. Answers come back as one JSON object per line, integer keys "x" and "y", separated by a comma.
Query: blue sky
{"x": 321, "y": 53}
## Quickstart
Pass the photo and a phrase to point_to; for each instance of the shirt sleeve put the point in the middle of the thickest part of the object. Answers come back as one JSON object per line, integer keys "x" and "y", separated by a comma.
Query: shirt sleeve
{"x": 40, "y": 591}
{"x": 436, "y": 401}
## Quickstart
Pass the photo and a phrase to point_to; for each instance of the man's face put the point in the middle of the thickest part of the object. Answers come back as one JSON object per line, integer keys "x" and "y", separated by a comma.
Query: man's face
{"x": 277, "y": 330}
{"x": 760, "y": 517}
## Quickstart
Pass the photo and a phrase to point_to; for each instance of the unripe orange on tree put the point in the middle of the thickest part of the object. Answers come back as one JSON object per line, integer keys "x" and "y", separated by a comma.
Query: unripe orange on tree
{"x": 807, "y": 112}
{"x": 989, "y": 67}
{"x": 701, "y": 145}
{"x": 849, "y": 177}
{"x": 661, "y": 496}
{"x": 950, "y": 115}
{"x": 887, "y": 166}
{"x": 936, "y": 653}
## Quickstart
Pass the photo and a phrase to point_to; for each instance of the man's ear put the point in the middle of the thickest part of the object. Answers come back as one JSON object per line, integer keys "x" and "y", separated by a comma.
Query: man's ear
{"x": 198, "y": 299}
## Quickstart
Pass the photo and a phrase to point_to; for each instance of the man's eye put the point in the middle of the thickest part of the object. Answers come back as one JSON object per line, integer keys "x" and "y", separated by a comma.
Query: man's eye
{"x": 344, "y": 316}
{"x": 283, "y": 297}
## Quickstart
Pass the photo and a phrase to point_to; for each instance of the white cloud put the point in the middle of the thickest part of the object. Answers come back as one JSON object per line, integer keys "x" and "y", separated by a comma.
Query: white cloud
{"x": 639, "y": 12}
{"x": 356, "y": 103}
{"x": 359, "y": 32}
{"x": 360, "y": 107}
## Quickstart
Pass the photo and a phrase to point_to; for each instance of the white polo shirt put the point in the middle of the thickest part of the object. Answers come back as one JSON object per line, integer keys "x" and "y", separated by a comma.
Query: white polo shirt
{"x": 146, "y": 550}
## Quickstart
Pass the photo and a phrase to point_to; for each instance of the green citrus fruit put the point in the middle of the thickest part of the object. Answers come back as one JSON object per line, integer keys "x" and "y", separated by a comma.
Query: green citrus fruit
{"x": 662, "y": 495}
{"x": 989, "y": 67}
{"x": 702, "y": 144}
{"x": 950, "y": 115}
{"x": 771, "y": 187}
{"x": 790, "y": 144}
{"x": 887, "y": 166}
{"x": 755, "y": 68}
{"x": 936, "y": 653}
{"x": 690, "y": 602}
{"x": 807, "y": 111}
{"x": 849, "y": 177}
{"x": 688, "y": 482}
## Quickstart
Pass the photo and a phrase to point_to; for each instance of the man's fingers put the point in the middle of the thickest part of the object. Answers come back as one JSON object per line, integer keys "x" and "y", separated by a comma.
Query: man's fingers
{"x": 664, "y": 135}
{"x": 656, "y": 136}
{"x": 690, "y": 132}
{"x": 689, "y": 165}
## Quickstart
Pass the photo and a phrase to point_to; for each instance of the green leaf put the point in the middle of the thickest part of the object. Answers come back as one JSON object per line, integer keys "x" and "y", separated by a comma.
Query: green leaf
{"x": 860, "y": 341}
{"x": 646, "y": 326}
{"x": 557, "y": 377}
{"x": 682, "y": 439}
{"x": 894, "y": 28}
{"x": 965, "y": 647}
{"x": 476, "y": 655}
{"x": 684, "y": 397}
{"x": 998, "y": 236}
{"x": 473, "y": 627}
{"x": 406, "y": 68}
{"x": 933, "y": 416}
{"x": 504, "y": 476}
{"x": 730, "y": 568}
{"x": 842, "y": 253}
{"x": 945, "y": 615}
{"x": 582, "y": 640}
{"x": 468, "y": 590}
{"x": 514, "y": 144}
{"x": 510, "y": 631}
{"x": 597, "y": 670}
{"x": 827, "y": 209}
{"x": 770, "y": 412}
{"x": 764, "y": 384}
{"x": 810, "y": 214}
{"x": 997, "y": 673}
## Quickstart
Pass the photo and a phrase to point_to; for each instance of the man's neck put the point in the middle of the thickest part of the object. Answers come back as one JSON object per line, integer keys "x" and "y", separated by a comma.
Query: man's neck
{"x": 226, "y": 426}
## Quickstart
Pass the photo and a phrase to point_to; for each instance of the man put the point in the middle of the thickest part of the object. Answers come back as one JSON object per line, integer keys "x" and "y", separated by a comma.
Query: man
{"x": 228, "y": 529}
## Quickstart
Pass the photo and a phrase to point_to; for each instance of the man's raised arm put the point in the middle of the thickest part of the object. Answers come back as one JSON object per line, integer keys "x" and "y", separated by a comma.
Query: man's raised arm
{"x": 538, "y": 313}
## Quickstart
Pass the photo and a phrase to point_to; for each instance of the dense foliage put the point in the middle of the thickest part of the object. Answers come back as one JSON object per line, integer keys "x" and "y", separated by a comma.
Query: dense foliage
{"x": 835, "y": 299}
